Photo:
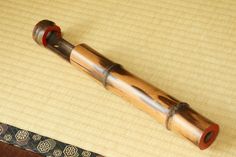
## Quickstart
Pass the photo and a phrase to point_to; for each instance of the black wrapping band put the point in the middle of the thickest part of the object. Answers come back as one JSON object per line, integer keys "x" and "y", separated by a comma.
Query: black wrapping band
{"x": 174, "y": 109}
{"x": 107, "y": 71}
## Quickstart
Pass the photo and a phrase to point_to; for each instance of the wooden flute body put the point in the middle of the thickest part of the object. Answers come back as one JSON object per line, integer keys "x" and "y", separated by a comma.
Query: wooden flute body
{"x": 175, "y": 115}
{"x": 193, "y": 126}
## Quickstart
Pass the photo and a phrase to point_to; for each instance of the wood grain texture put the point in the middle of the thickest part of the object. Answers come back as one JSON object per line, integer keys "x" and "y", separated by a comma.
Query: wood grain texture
{"x": 7, "y": 150}
{"x": 160, "y": 105}
{"x": 185, "y": 47}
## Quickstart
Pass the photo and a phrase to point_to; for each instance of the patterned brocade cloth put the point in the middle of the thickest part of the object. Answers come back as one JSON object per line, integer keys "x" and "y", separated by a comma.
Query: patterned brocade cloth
{"x": 39, "y": 144}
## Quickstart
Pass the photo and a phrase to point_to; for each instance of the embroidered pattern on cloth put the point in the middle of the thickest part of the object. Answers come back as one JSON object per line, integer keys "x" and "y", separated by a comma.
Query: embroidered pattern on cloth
{"x": 39, "y": 144}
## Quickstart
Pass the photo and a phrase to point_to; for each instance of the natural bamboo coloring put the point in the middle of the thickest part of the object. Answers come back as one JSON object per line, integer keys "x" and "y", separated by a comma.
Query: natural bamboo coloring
{"x": 173, "y": 114}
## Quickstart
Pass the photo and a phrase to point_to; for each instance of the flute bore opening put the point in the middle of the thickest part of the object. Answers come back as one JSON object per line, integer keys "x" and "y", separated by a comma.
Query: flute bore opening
{"x": 208, "y": 137}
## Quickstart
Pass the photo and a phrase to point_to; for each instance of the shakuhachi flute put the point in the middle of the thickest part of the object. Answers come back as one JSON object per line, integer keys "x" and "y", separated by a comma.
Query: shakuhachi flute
{"x": 173, "y": 114}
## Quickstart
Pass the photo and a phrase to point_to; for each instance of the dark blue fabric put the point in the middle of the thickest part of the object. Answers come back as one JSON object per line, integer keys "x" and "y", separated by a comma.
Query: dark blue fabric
{"x": 39, "y": 144}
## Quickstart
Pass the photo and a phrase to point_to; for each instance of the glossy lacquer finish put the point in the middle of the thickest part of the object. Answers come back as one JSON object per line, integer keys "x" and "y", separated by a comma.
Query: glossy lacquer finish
{"x": 172, "y": 113}
{"x": 183, "y": 120}
{"x": 7, "y": 150}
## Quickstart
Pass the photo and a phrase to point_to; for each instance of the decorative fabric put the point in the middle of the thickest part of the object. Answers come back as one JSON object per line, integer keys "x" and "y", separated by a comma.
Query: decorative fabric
{"x": 39, "y": 144}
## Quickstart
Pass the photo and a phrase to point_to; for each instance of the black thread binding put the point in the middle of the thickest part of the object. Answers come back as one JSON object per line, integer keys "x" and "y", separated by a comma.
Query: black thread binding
{"x": 173, "y": 110}
{"x": 107, "y": 71}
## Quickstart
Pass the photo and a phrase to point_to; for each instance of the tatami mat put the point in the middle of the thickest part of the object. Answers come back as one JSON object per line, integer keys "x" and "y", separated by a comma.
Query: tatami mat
{"x": 185, "y": 47}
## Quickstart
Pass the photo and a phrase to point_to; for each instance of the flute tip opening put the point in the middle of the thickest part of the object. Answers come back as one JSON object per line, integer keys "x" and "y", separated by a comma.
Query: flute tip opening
{"x": 209, "y": 136}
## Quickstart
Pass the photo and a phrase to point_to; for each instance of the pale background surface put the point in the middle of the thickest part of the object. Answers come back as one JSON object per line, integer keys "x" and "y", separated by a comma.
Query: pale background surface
{"x": 185, "y": 47}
